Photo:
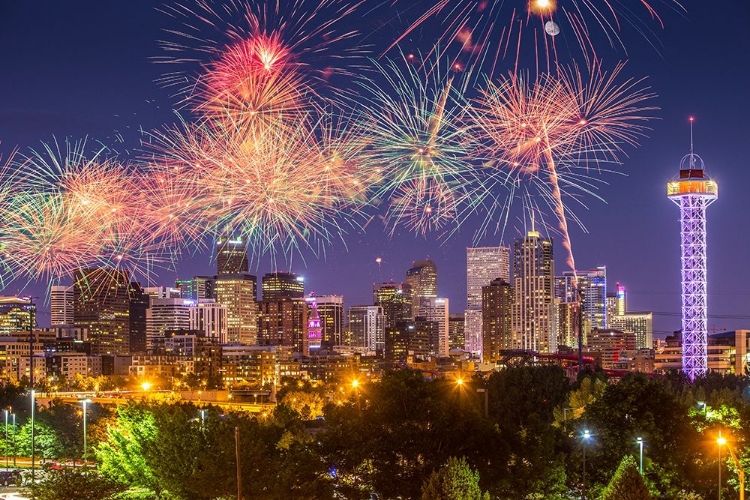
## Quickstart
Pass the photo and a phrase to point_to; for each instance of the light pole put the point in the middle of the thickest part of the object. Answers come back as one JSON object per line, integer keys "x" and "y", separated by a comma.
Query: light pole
{"x": 640, "y": 444}
{"x": 585, "y": 438}
{"x": 85, "y": 457}
{"x": 721, "y": 441}
{"x": 14, "y": 439}
{"x": 33, "y": 450}
{"x": 203, "y": 418}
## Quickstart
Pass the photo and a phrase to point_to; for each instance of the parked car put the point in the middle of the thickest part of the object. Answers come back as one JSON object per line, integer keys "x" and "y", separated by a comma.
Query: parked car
{"x": 9, "y": 477}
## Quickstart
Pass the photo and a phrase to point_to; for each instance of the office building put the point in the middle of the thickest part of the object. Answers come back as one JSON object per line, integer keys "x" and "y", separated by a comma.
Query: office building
{"x": 497, "y": 319}
{"x": 283, "y": 285}
{"x": 423, "y": 281}
{"x": 610, "y": 344}
{"x": 211, "y": 319}
{"x": 437, "y": 310}
{"x": 534, "y": 321}
{"x": 314, "y": 327}
{"x": 138, "y": 320}
{"x": 196, "y": 288}
{"x": 163, "y": 315}
{"x": 16, "y": 315}
{"x": 366, "y": 324}
{"x": 61, "y": 305}
{"x": 591, "y": 288}
{"x": 284, "y": 322}
{"x": 408, "y": 341}
{"x": 231, "y": 256}
{"x": 238, "y": 292}
{"x": 395, "y": 299}
{"x": 101, "y": 304}
{"x": 456, "y": 332}
{"x": 639, "y": 323}
{"x": 331, "y": 312}
{"x": 483, "y": 264}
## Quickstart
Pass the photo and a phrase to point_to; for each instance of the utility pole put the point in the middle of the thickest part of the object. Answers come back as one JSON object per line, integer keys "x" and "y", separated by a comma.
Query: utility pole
{"x": 239, "y": 463}
{"x": 32, "y": 320}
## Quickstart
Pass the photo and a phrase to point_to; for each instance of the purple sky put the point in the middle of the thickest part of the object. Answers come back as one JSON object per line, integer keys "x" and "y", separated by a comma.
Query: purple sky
{"x": 82, "y": 68}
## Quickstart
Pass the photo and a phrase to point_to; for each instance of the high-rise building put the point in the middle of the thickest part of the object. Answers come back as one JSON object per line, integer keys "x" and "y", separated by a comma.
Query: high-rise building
{"x": 16, "y": 315}
{"x": 139, "y": 303}
{"x": 210, "y": 318}
{"x": 162, "y": 292}
{"x": 101, "y": 303}
{"x": 410, "y": 340}
{"x": 166, "y": 315}
{"x": 238, "y": 292}
{"x": 639, "y": 323}
{"x": 231, "y": 256}
{"x": 437, "y": 310}
{"x": 497, "y": 319}
{"x": 610, "y": 343}
{"x": 534, "y": 322}
{"x": 314, "y": 327}
{"x": 282, "y": 285}
{"x": 395, "y": 299}
{"x": 591, "y": 288}
{"x": 483, "y": 264}
{"x": 284, "y": 322}
{"x": 196, "y": 288}
{"x": 569, "y": 318}
{"x": 331, "y": 312}
{"x": 366, "y": 324}
{"x": 61, "y": 305}
{"x": 693, "y": 192}
{"x": 456, "y": 331}
{"x": 422, "y": 278}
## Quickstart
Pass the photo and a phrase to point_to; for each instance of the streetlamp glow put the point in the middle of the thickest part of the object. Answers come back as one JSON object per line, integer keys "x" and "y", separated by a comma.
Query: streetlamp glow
{"x": 85, "y": 456}
{"x": 459, "y": 382}
{"x": 146, "y": 386}
{"x": 355, "y": 383}
{"x": 640, "y": 445}
{"x": 585, "y": 438}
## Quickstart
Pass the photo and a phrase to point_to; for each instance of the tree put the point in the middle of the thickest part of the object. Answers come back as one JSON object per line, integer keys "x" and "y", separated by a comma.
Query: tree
{"x": 454, "y": 481}
{"x": 74, "y": 483}
{"x": 627, "y": 483}
{"x": 307, "y": 404}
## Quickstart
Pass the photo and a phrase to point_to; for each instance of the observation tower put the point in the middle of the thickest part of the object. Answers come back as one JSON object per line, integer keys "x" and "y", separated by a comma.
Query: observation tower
{"x": 693, "y": 191}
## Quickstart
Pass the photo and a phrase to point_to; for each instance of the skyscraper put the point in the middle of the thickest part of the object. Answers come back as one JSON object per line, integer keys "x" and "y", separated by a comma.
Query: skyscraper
{"x": 456, "y": 331}
{"x": 331, "y": 312}
{"x": 422, "y": 278}
{"x": 196, "y": 288}
{"x": 280, "y": 285}
{"x": 16, "y": 315}
{"x": 314, "y": 327}
{"x": 534, "y": 322}
{"x": 395, "y": 299}
{"x": 591, "y": 288}
{"x": 166, "y": 315}
{"x": 101, "y": 303}
{"x": 497, "y": 319}
{"x": 238, "y": 292}
{"x": 693, "y": 192}
{"x": 366, "y": 324}
{"x": 138, "y": 312}
{"x": 210, "y": 318}
{"x": 483, "y": 264}
{"x": 437, "y": 310}
{"x": 61, "y": 305}
{"x": 231, "y": 256}
{"x": 641, "y": 324}
{"x": 284, "y": 322}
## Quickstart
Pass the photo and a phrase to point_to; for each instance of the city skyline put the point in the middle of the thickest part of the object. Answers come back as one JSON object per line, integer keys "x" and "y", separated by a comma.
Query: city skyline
{"x": 637, "y": 241}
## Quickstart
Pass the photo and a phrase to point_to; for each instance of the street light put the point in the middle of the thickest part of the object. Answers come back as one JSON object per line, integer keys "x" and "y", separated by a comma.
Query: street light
{"x": 721, "y": 441}
{"x": 33, "y": 450}
{"x": 355, "y": 386}
{"x": 203, "y": 418}
{"x": 585, "y": 437}
{"x": 6, "y": 438}
{"x": 459, "y": 382}
{"x": 146, "y": 386}
{"x": 640, "y": 444}
{"x": 85, "y": 457}
{"x": 14, "y": 439}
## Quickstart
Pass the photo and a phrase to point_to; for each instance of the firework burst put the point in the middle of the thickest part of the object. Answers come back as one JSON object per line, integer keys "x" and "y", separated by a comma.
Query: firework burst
{"x": 418, "y": 144}
{"x": 548, "y": 135}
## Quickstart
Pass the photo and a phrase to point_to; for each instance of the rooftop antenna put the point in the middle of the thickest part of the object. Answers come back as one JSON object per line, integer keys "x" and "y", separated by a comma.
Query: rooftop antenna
{"x": 692, "y": 155}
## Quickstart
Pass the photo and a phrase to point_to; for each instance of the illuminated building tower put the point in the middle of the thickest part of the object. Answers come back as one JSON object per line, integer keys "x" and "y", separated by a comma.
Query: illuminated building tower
{"x": 165, "y": 315}
{"x": 569, "y": 323}
{"x": 456, "y": 331}
{"x": 197, "y": 288}
{"x": 231, "y": 256}
{"x": 422, "y": 278}
{"x": 331, "y": 312}
{"x": 61, "y": 305}
{"x": 693, "y": 192}
{"x": 238, "y": 293}
{"x": 281, "y": 285}
{"x": 483, "y": 264}
{"x": 639, "y": 323}
{"x": 615, "y": 304}
{"x": 101, "y": 303}
{"x": 534, "y": 322}
{"x": 211, "y": 319}
{"x": 497, "y": 307}
{"x": 284, "y": 322}
{"x": 139, "y": 302}
{"x": 395, "y": 299}
{"x": 314, "y": 329}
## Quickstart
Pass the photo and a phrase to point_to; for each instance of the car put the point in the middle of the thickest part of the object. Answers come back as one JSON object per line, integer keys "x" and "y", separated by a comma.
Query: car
{"x": 9, "y": 477}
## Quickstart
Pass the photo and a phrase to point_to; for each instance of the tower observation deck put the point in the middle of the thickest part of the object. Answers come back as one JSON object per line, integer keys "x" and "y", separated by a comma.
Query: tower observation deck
{"x": 693, "y": 191}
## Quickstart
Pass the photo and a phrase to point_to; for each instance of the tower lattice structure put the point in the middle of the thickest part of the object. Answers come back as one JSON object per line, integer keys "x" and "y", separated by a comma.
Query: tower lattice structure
{"x": 693, "y": 192}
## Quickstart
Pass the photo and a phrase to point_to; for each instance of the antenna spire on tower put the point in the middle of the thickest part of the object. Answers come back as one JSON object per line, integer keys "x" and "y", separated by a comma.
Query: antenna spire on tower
{"x": 692, "y": 154}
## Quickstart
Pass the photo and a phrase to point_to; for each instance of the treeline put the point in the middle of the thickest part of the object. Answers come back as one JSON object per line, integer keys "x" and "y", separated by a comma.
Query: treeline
{"x": 409, "y": 437}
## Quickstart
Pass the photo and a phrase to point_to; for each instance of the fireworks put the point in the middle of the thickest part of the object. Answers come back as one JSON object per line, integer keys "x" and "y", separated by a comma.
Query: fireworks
{"x": 487, "y": 32}
{"x": 552, "y": 132}
{"x": 417, "y": 143}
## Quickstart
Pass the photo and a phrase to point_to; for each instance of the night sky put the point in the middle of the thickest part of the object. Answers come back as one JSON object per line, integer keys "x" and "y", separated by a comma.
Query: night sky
{"x": 85, "y": 68}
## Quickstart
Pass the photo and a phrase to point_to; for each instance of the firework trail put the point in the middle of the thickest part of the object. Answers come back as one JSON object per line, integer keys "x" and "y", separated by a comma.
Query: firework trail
{"x": 487, "y": 32}
{"x": 417, "y": 142}
{"x": 553, "y": 132}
